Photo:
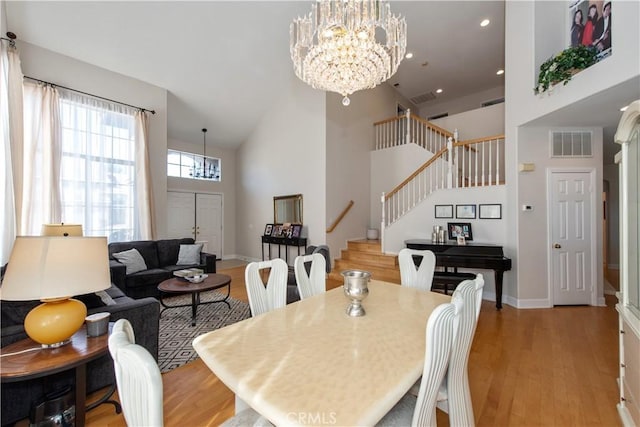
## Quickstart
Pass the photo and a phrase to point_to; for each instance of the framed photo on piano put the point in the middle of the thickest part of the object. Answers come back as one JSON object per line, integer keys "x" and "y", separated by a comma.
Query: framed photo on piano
{"x": 460, "y": 229}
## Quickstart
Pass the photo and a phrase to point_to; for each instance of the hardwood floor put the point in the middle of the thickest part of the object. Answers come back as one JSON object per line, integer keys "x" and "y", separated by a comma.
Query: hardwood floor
{"x": 527, "y": 368}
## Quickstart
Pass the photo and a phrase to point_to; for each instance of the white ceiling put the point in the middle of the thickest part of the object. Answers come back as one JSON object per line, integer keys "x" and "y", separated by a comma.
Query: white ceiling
{"x": 225, "y": 62}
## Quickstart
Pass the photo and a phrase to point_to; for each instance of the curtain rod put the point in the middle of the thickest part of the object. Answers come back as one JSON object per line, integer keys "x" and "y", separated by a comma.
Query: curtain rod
{"x": 90, "y": 94}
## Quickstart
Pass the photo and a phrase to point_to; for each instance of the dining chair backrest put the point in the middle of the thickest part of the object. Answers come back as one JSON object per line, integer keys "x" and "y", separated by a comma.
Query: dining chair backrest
{"x": 274, "y": 295}
{"x": 137, "y": 376}
{"x": 458, "y": 395}
{"x": 313, "y": 282}
{"x": 440, "y": 335}
{"x": 416, "y": 277}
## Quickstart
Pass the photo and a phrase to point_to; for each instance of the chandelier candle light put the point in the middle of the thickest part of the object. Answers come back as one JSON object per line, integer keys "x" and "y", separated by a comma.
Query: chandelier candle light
{"x": 335, "y": 48}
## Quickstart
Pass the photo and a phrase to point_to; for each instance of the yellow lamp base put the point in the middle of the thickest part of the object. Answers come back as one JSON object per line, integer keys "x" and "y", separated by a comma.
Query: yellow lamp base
{"x": 54, "y": 322}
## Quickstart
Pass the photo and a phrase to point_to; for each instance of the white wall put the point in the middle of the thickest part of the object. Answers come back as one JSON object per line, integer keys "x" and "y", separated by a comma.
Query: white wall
{"x": 226, "y": 187}
{"x": 285, "y": 154}
{"x": 476, "y": 123}
{"x": 463, "y": 103}
{"x": 527, "y": 44}
{"x": 389, "y": 167}
{"x": 350, "y": 139}
{"x": 533, "y": 225}
{"x": 50, "y": 66}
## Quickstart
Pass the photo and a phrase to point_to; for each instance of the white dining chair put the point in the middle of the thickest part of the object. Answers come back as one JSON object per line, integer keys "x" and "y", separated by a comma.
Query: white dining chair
{"x": 416, "y": 277}
{"x": 313, "y": 282}
{"x": 274, "y": 295}
{"x": 454, "y": 396}
{"x": 137, "y": 376}
{"x": 140, "y": 386}
{"x": 440, "y": 335}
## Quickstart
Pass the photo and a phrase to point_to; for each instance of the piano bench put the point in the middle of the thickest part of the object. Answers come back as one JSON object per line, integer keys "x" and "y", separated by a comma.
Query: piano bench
{"x": 448, "y": 281}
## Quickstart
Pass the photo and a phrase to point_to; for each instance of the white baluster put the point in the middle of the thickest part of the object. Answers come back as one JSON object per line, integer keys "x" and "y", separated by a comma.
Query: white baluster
{"x": 498, "y": 161}
{"x": 450, "y": 163}
{"x": 490, "y": 169}
{"x": 475, "y": 180}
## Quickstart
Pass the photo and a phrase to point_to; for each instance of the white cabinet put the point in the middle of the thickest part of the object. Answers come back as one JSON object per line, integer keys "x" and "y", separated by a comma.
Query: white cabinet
{"x": 196, "y": 215}
{"x": 628, "y": 136}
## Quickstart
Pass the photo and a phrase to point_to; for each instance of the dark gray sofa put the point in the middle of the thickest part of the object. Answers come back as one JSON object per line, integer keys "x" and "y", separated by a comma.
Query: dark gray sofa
{"x": 160, "y": 256}
{"x": 18, "y": 397}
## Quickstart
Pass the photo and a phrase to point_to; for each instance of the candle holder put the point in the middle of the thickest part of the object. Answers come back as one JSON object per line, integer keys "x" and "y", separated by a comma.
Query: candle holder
{"x": 356, "y": 289}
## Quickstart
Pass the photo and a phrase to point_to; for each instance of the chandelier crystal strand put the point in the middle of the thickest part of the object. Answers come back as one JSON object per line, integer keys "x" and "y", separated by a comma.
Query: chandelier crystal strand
{"x": 334, "y": 47}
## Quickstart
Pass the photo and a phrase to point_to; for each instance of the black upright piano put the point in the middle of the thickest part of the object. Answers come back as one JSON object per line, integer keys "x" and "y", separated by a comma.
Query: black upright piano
{"x": 472, "y": 255}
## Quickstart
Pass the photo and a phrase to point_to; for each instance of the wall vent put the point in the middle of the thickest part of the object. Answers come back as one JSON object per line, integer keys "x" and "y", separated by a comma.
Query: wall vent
{"x": 437, "y": 116}
{"x": 571, "y": 143}
{"x": 429, "y": 96}
{"x": 492, "y": 102}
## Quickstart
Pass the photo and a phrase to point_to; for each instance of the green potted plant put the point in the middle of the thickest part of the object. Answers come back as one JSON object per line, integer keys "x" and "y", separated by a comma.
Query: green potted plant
{"x": 564, "y": 65}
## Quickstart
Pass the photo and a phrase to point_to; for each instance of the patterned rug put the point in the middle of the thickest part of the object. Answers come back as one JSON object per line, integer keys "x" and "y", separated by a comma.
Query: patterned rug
{"x": 176, "y": 332}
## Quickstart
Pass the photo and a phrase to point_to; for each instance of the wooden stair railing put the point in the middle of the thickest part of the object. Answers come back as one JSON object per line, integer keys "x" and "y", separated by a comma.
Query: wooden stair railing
{"x": 340, "y": 217}
{"x": 471, "y": 163}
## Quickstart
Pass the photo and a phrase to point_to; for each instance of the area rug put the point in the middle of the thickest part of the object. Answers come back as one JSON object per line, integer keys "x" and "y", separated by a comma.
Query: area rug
{"x": 176, "y": 332}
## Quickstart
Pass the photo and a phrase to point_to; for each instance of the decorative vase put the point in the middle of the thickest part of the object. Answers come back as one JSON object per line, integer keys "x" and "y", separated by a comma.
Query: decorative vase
{"x": 356, "y": 289}
{"x": 372, "y": 234}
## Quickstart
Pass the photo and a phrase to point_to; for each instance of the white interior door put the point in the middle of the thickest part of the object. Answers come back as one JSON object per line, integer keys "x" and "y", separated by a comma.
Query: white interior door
{"x": 571, "y": 198}
{"x": 181, "y": 215}
{"x": 209, "y": 222}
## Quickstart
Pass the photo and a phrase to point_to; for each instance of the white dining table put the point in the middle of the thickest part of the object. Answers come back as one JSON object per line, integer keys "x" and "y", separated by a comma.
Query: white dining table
{"x": 309, "y": 363}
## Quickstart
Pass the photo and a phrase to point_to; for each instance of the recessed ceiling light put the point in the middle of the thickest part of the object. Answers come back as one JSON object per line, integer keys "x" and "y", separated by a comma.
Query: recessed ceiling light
{"x": 438, "y": 90}
{"x": 484, "y": 22}
{"x": 500, "y": 72}
{"x": 409, "y": 55}
{"x": 624, "y": 108}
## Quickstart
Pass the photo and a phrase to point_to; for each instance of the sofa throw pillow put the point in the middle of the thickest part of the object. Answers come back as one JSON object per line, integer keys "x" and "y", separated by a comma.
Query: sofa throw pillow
{"x": 132, "y": 260}
{"x": 105, "y": 298}
{"x": 189, "y": 254}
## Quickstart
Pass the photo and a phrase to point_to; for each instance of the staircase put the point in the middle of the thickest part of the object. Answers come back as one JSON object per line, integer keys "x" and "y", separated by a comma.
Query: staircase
{"x": 366, "y": 255}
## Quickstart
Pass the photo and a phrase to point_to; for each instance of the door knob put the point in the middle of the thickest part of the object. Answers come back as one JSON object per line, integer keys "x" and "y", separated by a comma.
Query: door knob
{"x": 557, "y": 246}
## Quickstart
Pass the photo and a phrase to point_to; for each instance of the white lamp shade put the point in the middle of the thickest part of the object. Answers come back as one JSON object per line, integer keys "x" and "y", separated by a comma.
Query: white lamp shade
{"x": 55, "y": 267}
{"x": 61, "y": 230}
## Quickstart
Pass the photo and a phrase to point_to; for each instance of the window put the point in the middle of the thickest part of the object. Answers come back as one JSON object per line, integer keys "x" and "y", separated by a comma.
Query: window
{"x": 189, "y": 165}
{"x": 98, "y": 168}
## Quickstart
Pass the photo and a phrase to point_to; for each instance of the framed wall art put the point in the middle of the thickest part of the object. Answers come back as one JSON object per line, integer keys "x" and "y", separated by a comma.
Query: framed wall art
{"x": 460, "y": 229}
{"x": 268, "y": 229}
{"x": 444, "y": 211}
{"x": 466, "y": 211}
{"x": 492, "y": 211}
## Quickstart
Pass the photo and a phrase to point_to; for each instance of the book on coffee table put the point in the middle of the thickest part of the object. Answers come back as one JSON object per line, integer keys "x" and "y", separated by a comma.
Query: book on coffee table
{"x": 189, "y": 272}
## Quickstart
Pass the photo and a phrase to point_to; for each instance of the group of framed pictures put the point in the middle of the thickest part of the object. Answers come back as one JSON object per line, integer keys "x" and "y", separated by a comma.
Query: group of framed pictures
{"x": 484, "y": 211}
{"x": 283, "y": 230}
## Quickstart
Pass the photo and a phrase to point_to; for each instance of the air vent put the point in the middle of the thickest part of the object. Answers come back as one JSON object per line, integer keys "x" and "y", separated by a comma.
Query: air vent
{"x": 492, "y": 102}
{"x": 571, "y": 144}
{"x": 423, "y": 98}
{"x": 438, "y": 116}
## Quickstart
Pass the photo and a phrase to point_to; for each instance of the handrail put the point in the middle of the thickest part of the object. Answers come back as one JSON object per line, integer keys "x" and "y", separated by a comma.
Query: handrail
{"x": 417, "y": 171}
{"x": 389, "y": 120}
{"x": 342, "y": 215}
{"x": 478, "y": 140}
{"x": 432, "y": 126}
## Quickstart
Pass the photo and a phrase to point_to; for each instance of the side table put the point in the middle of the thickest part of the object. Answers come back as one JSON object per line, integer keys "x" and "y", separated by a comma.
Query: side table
{"x": 31, "y": 361}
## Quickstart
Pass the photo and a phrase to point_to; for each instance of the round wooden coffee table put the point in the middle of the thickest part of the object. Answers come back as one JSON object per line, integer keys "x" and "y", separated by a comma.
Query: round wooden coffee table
{"x": 178, "y": 285}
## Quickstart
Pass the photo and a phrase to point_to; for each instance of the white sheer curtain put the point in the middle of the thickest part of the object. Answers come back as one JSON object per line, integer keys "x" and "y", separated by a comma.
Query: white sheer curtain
{"x": 146, "y": 220}
{"x": 41, "y": 201}
{"x": 10, "y": 142}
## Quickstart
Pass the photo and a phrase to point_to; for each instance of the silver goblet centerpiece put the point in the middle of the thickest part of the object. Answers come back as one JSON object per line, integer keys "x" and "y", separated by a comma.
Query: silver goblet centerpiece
{"x": 356, "y": 289}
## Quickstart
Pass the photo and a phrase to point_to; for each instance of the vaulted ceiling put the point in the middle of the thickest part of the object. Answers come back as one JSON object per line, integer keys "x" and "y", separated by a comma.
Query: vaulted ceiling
{"x": 225, "y": 62}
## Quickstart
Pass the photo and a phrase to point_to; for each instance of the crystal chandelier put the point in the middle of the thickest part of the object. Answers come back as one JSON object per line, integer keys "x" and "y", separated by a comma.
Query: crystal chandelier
{"x": 335, "y": 47}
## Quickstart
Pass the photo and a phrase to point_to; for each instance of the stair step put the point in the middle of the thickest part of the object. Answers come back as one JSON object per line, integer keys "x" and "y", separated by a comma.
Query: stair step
{"x": 375, "y": 259}
{"x": 373, "y": 246}
{"x": 377, "y": 272}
